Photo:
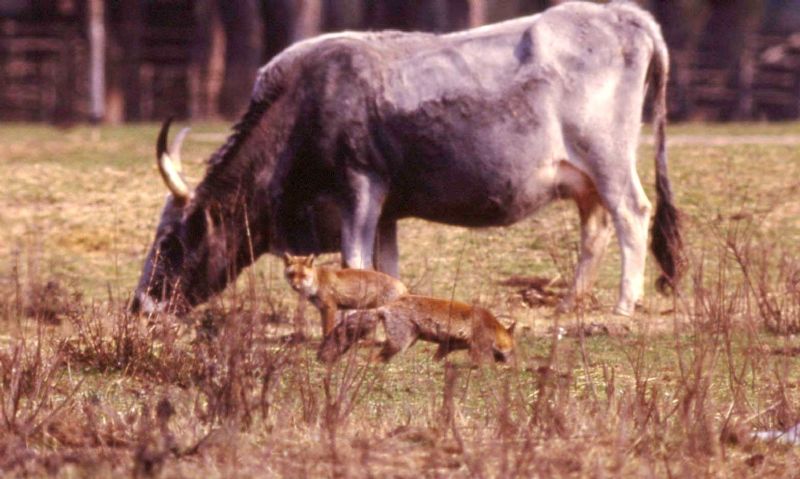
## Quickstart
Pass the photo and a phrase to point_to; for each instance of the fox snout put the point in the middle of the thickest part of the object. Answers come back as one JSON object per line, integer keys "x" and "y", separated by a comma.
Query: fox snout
{"x": 502, "y": 356}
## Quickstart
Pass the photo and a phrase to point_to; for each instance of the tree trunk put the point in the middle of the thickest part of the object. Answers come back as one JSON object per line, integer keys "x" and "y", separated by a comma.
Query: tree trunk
{"x": 395, "y": 14}
{"x": 724, "y": 30}
{"x": 131, "y": 36}
{"x": 425, "y": 15}
{"x": 307, "y": 19}
{"x": 67, "y": 81}
{"x": 276, "y": 15}
{"x": 528, "y": 7}
{"x": 672, "y": 14}
{"x": 289, "y": 21}
{"x": 719, "y": 53}
{"x": 207, "y": 61}
{"x": 97, "y": 60}
{"x": 242, "y": 54}
{"x": 343, "y": 15}
{"x": 477, "y": 13}
{"x": 434, "y": 16}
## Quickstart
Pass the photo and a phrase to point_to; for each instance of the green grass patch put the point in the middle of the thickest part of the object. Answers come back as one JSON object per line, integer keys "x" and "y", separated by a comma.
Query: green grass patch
{"x": 676, "y": 390}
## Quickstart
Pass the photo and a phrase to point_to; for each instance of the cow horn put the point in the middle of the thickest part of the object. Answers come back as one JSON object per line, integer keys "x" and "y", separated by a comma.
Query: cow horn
{"x": 171, "y": 169}
{"x": 175, "y": 148}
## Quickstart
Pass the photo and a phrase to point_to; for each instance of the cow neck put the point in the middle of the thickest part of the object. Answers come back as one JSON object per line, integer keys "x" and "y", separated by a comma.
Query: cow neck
{"x": 229, "y": 191}
{"x": 238, "y": 156}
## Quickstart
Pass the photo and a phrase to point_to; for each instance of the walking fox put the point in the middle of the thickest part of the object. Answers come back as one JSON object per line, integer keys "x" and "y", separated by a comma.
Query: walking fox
{"x": 451, "y": 324}
{"x": 330, "y": 290}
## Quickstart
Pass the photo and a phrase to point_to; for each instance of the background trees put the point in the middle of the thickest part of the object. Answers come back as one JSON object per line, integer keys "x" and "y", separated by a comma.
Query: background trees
{"x": 198, "y": 58}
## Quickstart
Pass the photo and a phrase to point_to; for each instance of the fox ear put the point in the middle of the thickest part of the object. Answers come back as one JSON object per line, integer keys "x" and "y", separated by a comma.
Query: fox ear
{"x": 310, "y": 260}
{"x": 510, "y": 329}
{"x": 287, "y": 258}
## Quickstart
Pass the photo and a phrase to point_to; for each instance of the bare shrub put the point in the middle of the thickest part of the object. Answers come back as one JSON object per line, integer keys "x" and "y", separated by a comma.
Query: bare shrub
{"x": 33, "y": 391}
{"x": 107, "y": 339}
{"x": 219, "y": 393}
{"x": 236, "y": 370}
{"x": 25, "y": 292}
{"x": 52, "y": 302}
{"x": 765, "y": 269}
{"x": 773, "y": 279}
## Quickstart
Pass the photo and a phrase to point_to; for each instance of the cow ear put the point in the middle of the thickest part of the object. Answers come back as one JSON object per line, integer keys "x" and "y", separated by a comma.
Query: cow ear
{"x": 511, "y": 328}
{"x": 310, "y": 260}
{"x": 287, "y": 258}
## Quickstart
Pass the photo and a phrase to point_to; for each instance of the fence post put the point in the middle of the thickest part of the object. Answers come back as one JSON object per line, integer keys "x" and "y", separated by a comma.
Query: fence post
{"x": 97, "y": 56}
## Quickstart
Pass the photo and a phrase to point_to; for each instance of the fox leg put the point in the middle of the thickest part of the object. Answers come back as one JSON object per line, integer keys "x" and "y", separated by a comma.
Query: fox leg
{"x": 354, "y": 326}
{"x": 400, "y": 335}
{"x": 300, "y": 323}
{"x": 480, "y": 349}
{"x": 448, "y": 346}
{"x": 334, "y": 344}
{"x": 479, "y": 353}
{"x": 482, "y": 339}
{"x": 441, "y": 352}
{"x": 328, "y": 313}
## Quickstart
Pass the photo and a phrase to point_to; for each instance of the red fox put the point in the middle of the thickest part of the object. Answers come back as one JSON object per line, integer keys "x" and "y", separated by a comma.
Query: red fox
{"x": 330, "y": 290}
{"x": 452, "y": 324}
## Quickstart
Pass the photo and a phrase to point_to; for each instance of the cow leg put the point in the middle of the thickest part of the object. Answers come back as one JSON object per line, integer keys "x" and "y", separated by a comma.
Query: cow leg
{"x": 630, "y": 210}
{"x": 359, "y": 221}
{"x": 596, "y": 231}
{"x": 386, "y": 252}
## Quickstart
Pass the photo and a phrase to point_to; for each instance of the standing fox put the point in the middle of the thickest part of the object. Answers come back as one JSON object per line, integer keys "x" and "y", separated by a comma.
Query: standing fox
{"x": 330, "y": 290}
{"x": 452, "y": 324}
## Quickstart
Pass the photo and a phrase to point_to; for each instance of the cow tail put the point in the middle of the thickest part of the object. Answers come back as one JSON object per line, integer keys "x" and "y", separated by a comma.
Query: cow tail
{"x": 667, "y": 241}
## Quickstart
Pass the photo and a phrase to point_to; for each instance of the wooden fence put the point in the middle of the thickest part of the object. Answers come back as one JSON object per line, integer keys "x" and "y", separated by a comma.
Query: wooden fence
{"x": 153, "y": 70}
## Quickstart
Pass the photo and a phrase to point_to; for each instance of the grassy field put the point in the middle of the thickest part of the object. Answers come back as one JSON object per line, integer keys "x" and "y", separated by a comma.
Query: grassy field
{"x": 678, "y": 390}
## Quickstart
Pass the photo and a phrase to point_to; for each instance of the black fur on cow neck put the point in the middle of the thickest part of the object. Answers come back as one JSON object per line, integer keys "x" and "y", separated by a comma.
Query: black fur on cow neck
{"x": 202, "y": 244}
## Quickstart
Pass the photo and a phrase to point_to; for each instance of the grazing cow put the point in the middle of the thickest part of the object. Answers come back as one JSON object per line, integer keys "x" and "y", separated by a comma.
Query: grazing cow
{"x": 347, "y": 133}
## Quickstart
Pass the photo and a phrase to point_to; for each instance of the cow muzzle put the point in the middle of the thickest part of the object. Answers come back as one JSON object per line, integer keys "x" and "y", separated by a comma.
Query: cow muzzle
{"x": 146, "y": 305}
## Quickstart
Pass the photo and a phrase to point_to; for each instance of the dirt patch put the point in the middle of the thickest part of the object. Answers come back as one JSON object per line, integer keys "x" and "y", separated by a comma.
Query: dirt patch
{"x": 537, "y": 291}
{"x": 612, "y": 329}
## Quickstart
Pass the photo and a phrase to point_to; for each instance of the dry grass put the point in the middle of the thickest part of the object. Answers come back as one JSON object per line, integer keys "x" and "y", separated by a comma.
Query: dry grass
{"x": 87, "y": 390}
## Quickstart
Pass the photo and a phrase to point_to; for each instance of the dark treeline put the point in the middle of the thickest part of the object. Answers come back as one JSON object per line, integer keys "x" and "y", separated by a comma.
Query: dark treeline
{"x": 253, "y": 31}
{"x": 732, "y": 59}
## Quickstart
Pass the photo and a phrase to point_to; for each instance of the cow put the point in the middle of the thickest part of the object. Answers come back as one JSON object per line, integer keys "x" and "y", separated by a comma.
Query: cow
{"x": 347, "y": 133}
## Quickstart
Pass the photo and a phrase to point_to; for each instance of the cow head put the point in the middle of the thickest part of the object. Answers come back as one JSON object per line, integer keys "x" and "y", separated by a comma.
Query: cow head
{"x": 246, "y": 205}
{"x": 187, "y": 260}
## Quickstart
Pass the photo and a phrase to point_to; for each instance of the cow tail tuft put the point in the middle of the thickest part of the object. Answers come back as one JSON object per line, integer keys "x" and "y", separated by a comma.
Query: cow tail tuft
{"x": 667, "y": 241}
